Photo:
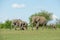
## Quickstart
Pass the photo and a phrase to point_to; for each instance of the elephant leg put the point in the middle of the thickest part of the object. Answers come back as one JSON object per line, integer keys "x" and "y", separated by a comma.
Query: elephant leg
{"x": 15, "y": 27}
{"x": 54, "y": 27}
{"x": 26, "y": 27}
{"x": 46, "y": 26}
{"x": 22, "y": 28}
{"x": 37, "y": 26}
{"x": 32, "y": 26}
{"x": 43, "y": 27}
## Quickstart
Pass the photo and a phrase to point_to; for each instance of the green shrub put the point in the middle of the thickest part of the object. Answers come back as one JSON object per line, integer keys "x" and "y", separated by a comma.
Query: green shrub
{"x": 58, "y": 25}
{"x": 1, "y": 25}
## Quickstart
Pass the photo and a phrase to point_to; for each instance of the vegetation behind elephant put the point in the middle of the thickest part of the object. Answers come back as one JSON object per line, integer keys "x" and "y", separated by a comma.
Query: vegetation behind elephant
{"x": 39, "y": 21}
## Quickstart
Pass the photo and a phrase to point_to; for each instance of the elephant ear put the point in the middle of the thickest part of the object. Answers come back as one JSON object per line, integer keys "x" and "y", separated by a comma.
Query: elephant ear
{"x": 35, "y": 18}
{"x": 38, "y": 18}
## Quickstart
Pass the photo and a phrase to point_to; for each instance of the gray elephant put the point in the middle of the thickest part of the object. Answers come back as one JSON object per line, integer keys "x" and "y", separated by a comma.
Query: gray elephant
{"x": 38, "y": 21}
{"x": 19, "y": 23}
{"x": 53, "y": 26}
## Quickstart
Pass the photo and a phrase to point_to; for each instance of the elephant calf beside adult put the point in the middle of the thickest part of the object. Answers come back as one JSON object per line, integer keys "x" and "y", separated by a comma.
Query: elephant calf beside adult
{"x": 19, "y": 23}
{"x": 38, "y": 21}
{"x": 53, "y": 26}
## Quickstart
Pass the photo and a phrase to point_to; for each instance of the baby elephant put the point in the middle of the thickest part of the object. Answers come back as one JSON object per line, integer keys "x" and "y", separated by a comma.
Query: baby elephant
{"x": 53, "y": 26}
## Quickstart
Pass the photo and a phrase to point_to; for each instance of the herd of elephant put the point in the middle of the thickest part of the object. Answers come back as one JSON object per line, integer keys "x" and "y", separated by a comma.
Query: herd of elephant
{"x": 36, "y": 22}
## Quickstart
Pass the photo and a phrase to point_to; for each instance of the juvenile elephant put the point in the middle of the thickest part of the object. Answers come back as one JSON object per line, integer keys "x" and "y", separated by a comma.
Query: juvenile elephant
{"x": 53, "y": 26}
{"x": 38, "y": 21}
{"x": 19, "y": 23}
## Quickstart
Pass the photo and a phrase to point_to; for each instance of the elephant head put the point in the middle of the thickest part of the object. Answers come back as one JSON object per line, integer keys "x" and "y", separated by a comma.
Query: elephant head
{"x": 16, "y": 22}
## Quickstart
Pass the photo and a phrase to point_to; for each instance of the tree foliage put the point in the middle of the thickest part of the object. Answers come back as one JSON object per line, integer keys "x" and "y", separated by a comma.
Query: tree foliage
{"x": 6, "y": 24}
{"x": 1, "y": 25}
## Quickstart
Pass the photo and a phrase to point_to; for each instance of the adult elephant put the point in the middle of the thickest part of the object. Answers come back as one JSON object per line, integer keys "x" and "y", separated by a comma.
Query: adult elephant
{"x": 19, "y": 23}
{"x": 38, "y": 21}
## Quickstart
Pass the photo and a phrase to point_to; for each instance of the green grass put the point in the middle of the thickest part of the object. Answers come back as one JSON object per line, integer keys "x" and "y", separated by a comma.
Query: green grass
{"x": 46, "y": 34}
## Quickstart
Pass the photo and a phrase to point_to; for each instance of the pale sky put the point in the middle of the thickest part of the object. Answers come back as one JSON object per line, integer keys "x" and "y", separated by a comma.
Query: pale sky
{"x": 23, "y": 9}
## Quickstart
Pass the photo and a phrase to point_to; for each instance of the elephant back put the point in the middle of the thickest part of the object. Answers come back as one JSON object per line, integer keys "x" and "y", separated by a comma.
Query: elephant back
{"x": 24, "y": 23}
{"x": 42, "y": 20}
{"x": 16, "y": 21}
{"x": 38, "y": 18}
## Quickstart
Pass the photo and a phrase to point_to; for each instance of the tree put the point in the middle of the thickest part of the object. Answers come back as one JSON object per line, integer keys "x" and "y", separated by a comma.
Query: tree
{"x": 8, "y": 24}
{"x": 2, "y": 25}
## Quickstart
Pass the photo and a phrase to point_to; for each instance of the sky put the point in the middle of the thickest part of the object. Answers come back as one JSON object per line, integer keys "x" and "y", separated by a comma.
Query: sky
{"x": 23, "y": 9}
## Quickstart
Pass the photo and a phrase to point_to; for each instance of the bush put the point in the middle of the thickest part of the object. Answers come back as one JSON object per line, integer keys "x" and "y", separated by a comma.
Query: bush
{"x": 1, "y": 25}
{"x": 58, "y": 25}
{"x": 6, "y": 24}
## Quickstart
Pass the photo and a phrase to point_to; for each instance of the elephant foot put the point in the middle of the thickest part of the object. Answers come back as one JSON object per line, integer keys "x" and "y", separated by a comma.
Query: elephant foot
{"x": 43, "y": 28}
{"x": 22, "y": 29}
{"x": 26, "y": 28}
{"x": 36, "y": 28}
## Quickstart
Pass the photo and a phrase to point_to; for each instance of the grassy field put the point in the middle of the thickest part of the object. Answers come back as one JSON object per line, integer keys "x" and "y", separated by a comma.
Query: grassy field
{"x": 46, "y": 34}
